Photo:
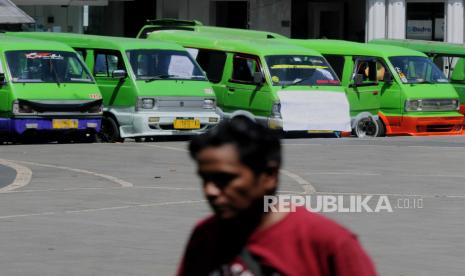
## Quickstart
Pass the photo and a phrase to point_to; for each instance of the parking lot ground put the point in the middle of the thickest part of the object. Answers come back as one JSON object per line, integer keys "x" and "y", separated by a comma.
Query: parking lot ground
{"x": 7, "y": 175}
{"x": 127, "y": 209}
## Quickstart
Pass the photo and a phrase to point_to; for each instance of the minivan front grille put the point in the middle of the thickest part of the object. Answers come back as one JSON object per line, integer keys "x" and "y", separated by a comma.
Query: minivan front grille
{"x": 180, "y": 102}
{"x": 439, "y": 105}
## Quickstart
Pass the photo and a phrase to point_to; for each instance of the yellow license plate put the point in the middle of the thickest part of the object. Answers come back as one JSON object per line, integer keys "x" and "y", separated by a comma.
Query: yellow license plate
{"x": 320, "y": 131}
{"x": 65, "y": 123}
{"x": 186, "y": 124}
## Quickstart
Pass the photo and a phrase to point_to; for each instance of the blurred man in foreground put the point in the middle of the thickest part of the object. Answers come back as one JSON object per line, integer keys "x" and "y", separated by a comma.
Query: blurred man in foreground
{"x": 239, "y": 164}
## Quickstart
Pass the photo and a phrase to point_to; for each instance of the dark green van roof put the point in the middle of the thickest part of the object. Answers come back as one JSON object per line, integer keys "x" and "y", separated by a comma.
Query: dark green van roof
{"x": 341, "y": 47}
{"x": 197, "y": 26}
{"x": 429, "y": 47}
{"x": 9, "y": 43}
{"x": 224, "y": 42}
{"x": 98, "y": 42}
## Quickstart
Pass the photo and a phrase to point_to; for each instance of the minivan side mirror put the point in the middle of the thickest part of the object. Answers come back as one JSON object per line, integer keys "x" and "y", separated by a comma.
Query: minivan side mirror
{"x": 358, "y": 79}
{"x": 258, "y": 78}
{"x": 388, "y": 78}
{"x": 119, "y": 74}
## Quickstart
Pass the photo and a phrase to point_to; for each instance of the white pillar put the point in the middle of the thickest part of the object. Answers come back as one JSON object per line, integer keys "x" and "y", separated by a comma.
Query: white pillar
{"x": 396, "y": 19}
{"x": 375, "y": 24}
{"x": 454, "y": 21}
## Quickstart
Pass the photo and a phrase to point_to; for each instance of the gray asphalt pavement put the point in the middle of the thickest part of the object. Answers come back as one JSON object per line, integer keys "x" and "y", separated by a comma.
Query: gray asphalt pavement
{"x": 7, "y": 175}
{"x": 127, "y": 209}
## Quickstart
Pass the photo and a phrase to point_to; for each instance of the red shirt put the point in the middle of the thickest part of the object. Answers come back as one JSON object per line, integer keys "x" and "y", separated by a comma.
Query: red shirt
{"x": 302, "y": 243}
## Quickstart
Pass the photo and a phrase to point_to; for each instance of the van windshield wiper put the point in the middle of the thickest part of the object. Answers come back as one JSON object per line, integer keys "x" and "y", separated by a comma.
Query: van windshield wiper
{"x": 424, "y": 81}
{"x": 160, "y": 77}
{"x": 296, "y": 81}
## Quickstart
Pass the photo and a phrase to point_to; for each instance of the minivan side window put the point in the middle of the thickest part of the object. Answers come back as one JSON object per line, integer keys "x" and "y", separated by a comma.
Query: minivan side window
{"x": 458, "y": 73}
{"x": 82, "y": 52}
{"x": 337, "y": 63}
{"x": 107, "y": 62}
{"x": 368, "y": 68}
{"x": 244, "y": 68}
{"x": 212, "y": 62}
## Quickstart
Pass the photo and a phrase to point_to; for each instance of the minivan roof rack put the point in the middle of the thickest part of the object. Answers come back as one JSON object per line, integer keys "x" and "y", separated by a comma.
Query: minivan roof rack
{"x": 174, "y": 22}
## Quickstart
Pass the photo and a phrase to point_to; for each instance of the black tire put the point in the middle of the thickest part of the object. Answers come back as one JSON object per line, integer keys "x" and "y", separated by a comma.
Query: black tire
{"x": 366, "y": 127}
{"x": 110, "y": 131}
{"x": 382, "y": 128}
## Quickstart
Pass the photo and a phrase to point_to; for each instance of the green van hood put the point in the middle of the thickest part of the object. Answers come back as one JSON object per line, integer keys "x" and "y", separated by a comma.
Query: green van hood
{"x": 53, "y": 91}
{"x": 429, "y": 91}
{"x": 174, "y": 88}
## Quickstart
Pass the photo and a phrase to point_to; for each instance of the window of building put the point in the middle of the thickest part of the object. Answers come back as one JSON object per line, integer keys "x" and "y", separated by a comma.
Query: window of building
{"x": 425, "y": 21}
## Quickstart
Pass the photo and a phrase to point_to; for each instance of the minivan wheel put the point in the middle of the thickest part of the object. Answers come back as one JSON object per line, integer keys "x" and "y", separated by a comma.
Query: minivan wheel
{"x": 366, "y": 127}
{"x": 381, "y": 127}
{"x": 110, "y": 131}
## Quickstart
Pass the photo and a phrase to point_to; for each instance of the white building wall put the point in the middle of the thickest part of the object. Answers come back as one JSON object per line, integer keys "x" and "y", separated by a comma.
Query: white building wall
{"x": 396, "y": 19}
{"x": 376, "y": 19}
{"x": 454, "y": 23}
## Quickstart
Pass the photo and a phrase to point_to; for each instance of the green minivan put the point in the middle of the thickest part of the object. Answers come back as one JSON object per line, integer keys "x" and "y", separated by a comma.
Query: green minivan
{"x": 275, "y": 83}
{"x": 414, "y": 96}
{"x": 197, "y": 26}
{"x": 45, "y": 88}
{"x": 448, "y": 56}
{"x": 149, "y": 88}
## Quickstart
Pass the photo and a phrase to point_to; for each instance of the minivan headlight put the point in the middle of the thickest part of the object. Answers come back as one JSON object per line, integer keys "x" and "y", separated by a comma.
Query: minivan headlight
{"x": 276, "y": 110}
{"x": 96, "y": 109}
{"x": 413, "y": 105}
{"x": 209, "y": 104}
{"x": 146, "y": 103}
{"x": 21, "y": 108}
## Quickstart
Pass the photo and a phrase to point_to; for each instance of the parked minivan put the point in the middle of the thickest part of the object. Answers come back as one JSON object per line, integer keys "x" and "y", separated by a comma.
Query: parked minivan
{"x": 450, "y": 57}
{"x": 149, "y": 88}
{"x": 45, "y": 88}
{"x": 279, "y": 85}
{"x": 197, "y": 26}
{"x": 414, "y": 95}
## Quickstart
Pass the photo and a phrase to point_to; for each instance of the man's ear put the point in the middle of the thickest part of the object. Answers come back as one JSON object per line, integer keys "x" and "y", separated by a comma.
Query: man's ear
{"x": 269, "y": 180}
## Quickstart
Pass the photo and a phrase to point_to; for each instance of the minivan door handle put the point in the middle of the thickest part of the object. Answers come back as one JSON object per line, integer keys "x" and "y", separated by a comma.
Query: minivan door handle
{"x": 232, "y": 89}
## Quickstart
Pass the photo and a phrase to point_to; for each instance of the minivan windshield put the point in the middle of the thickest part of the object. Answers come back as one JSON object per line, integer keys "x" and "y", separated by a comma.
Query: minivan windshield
{"x": 412, "y": 69}
{"x": 47, "y": 67}
{"x": 152, "y": 65}
{"x": 289, "y": 70}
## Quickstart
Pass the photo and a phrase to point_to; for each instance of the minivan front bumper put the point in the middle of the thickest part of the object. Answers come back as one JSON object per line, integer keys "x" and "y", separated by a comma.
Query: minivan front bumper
{"x": 161, "y": 123}
{"x": 21, "y": 125}
{"x": 423, "y": 126}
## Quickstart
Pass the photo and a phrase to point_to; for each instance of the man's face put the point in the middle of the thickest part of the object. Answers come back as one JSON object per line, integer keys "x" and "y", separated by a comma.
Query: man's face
{"x": 231, "y": 187}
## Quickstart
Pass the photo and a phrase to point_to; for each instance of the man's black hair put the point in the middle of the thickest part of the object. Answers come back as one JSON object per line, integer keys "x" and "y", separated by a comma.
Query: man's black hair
{"x": 259, "y": 148}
